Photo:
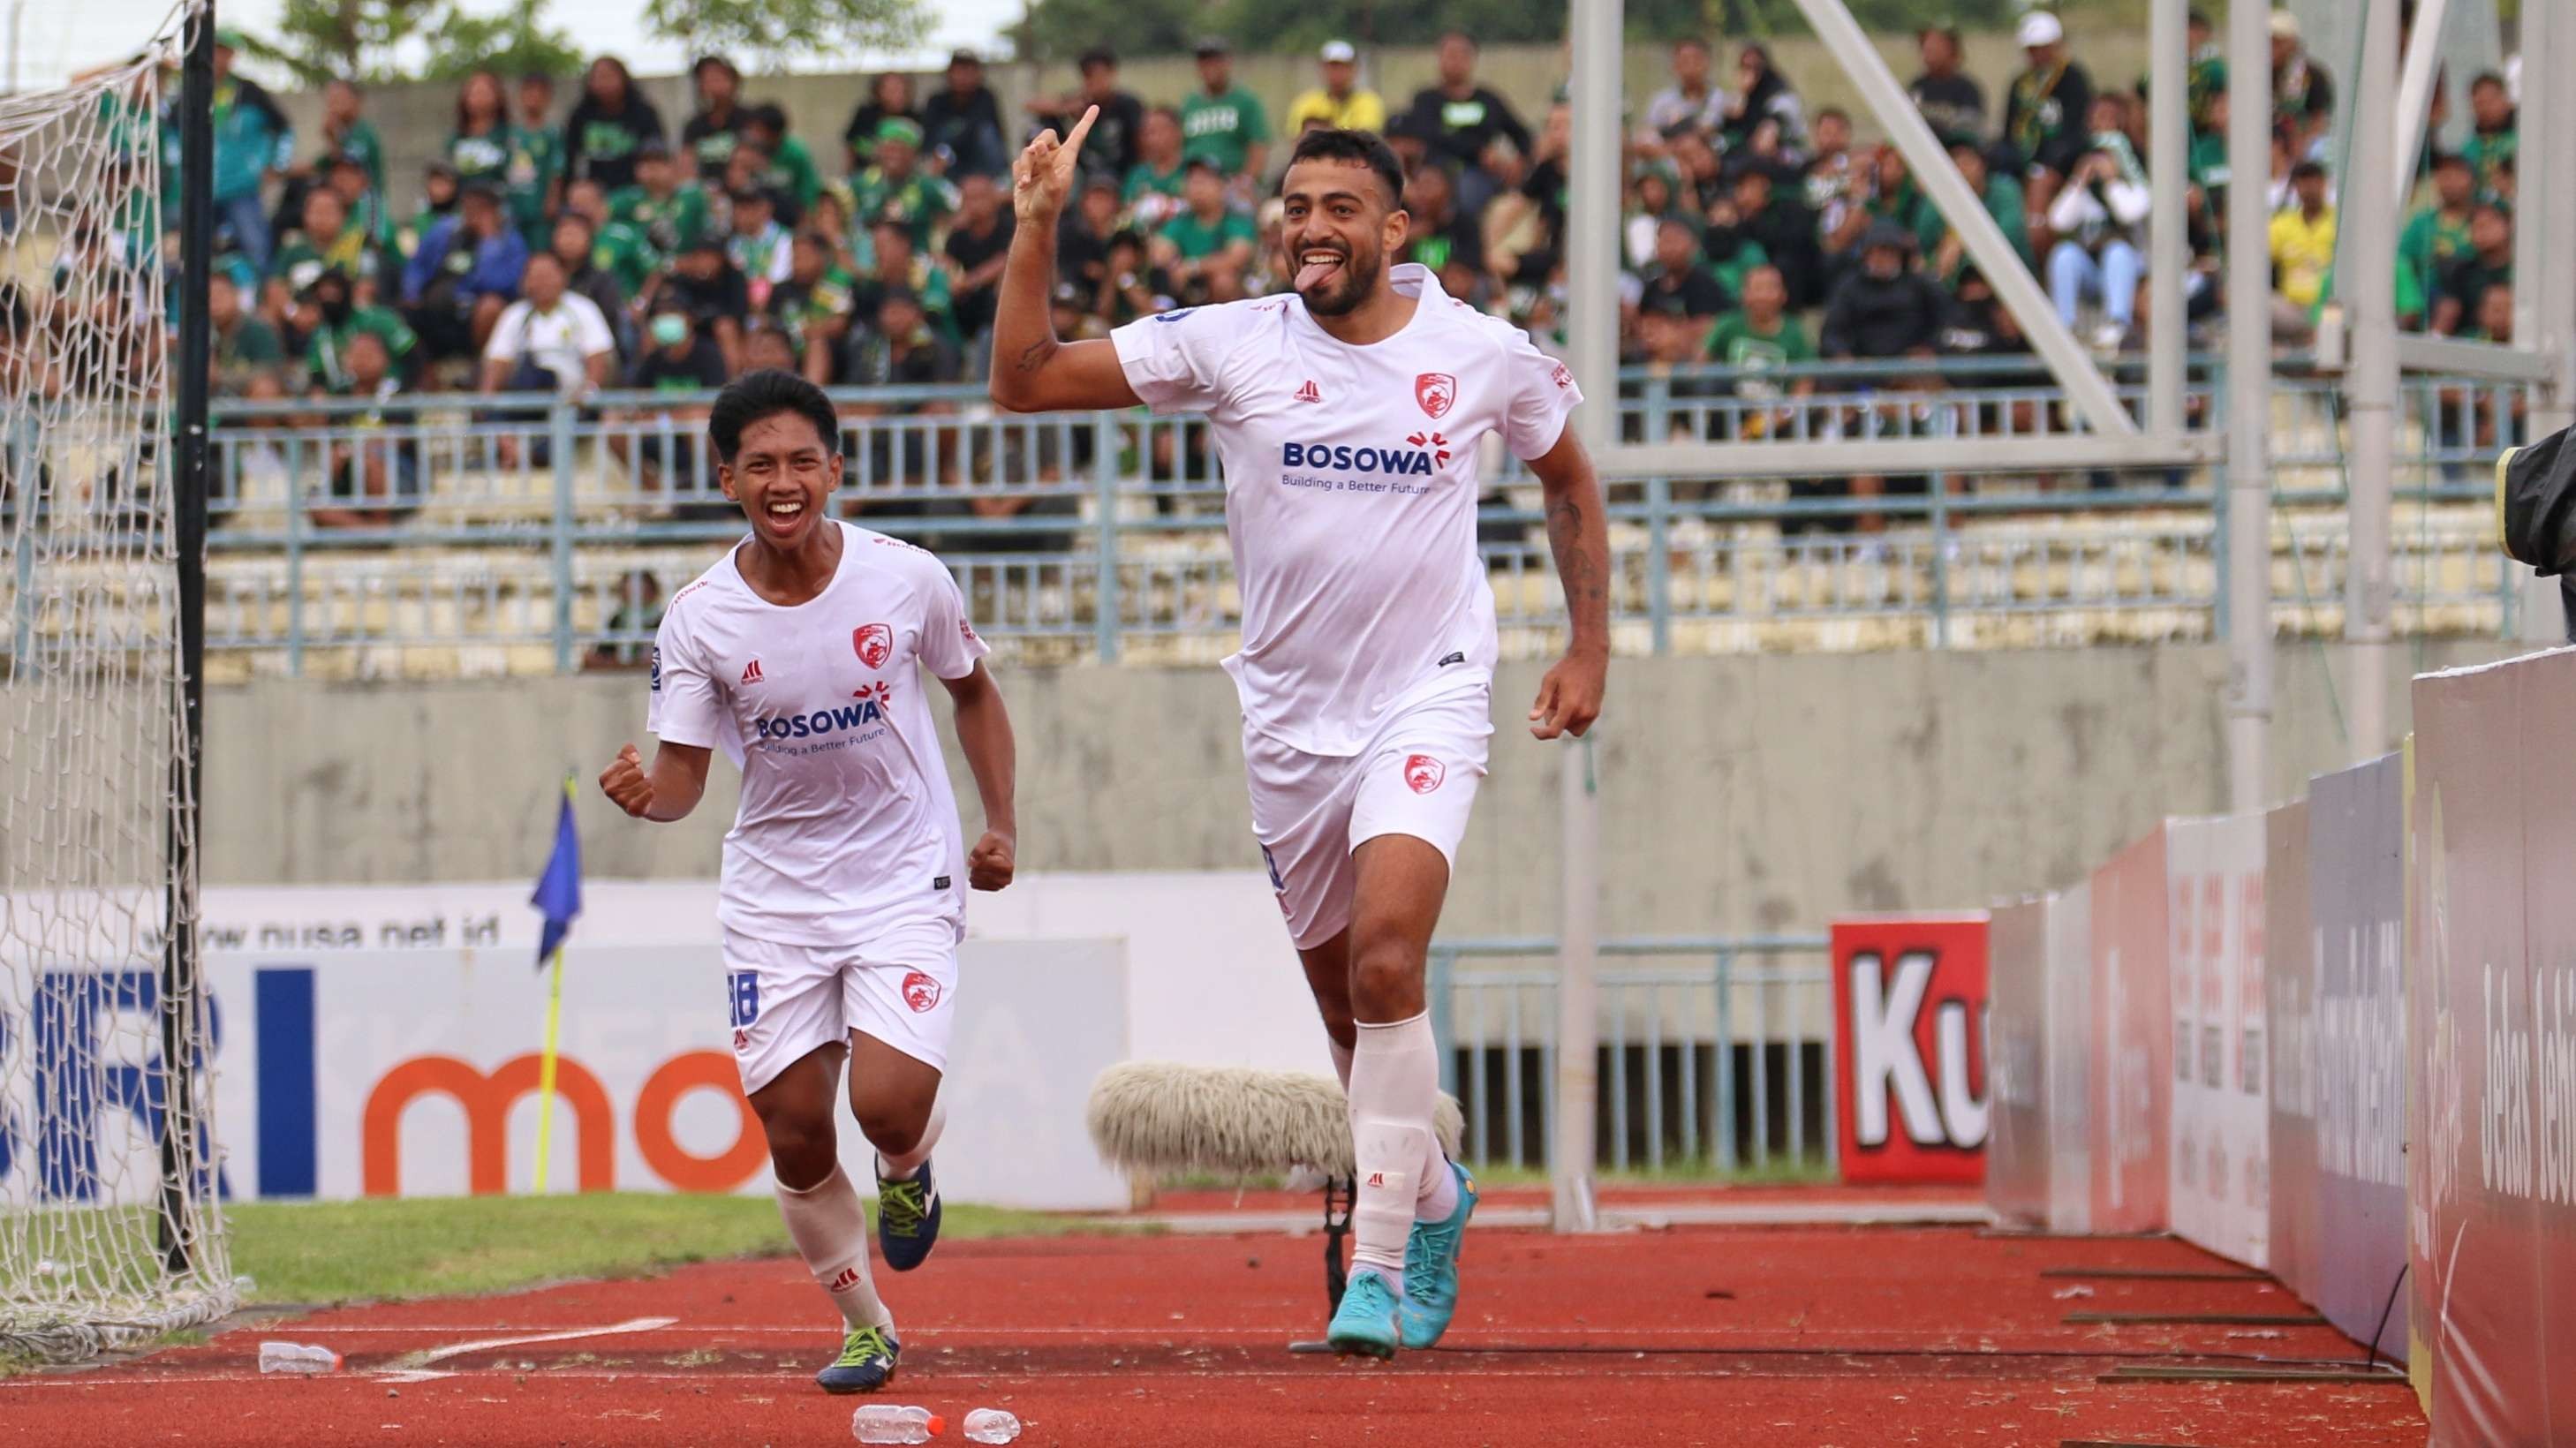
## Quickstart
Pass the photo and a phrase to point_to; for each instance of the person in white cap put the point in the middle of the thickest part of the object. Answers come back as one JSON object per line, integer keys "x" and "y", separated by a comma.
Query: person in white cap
{"x": 2044, "y": 117}
{"x": 1339, "y": 103}
{"x": 2303, "y": 94}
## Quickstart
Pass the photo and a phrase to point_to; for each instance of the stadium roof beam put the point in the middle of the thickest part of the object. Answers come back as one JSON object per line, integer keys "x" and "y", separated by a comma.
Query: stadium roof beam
{"x": 2415, "y": 89}
{"x": 2112, "y": 437}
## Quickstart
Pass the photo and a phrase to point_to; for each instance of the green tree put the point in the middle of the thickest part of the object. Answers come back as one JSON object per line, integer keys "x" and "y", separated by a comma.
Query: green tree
{"x": 518, "y": 43}
{"x": 372, "y": 41}
{"x": 770, "y": 32}
{"x": 320, "y": 40}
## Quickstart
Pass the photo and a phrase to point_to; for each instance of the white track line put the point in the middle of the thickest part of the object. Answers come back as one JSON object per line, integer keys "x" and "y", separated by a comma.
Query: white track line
{"x": 414, "y": 1367}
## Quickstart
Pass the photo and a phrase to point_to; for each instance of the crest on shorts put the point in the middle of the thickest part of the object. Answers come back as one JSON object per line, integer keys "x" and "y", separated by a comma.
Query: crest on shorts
{"x": 874, "y": 642}
{"x": 920, "y": 992}
{"x": 1435, "y": 391}
{"x": 1422, "y": 773}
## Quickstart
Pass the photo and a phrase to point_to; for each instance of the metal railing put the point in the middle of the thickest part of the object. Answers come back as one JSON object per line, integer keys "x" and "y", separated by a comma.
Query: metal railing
{"x": 1716, "y": 1053}
{"x": 518, "y": 533}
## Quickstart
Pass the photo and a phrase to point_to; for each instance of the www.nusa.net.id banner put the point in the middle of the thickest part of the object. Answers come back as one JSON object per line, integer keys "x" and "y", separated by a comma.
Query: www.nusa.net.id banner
{"x": 1909, "y": 1007}
{"x": 2491, "y": 1047}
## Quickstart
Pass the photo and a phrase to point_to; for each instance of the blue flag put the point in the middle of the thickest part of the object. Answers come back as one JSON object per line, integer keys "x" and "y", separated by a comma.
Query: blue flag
{"x": 559, "y": 888}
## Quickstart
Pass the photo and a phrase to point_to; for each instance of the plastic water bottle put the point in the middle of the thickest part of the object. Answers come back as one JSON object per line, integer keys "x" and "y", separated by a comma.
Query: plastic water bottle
{"x": 991, "y": 1425}
{"x": 297, "y": 1357}
{"x": 889, "y": 1423}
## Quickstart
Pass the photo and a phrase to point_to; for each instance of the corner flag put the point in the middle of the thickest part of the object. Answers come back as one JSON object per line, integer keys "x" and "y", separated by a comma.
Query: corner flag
{"x": 559, "y": 888}
{"x": 559, "y": 896}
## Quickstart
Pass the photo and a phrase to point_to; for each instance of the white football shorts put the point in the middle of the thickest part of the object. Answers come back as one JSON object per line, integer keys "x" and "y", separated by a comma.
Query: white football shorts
{"x": 1417, "y": 776}
{"x": 898, "y": 986}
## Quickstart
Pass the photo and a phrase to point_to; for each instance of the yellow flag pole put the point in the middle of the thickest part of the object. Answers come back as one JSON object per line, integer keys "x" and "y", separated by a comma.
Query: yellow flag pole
{"x": 546, "y": 1071}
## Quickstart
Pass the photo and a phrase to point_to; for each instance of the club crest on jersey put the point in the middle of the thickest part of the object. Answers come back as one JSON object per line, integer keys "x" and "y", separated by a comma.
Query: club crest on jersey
{"x": 920, "y": 992}
{"x": 1422, "y": 773}
{"x": 1435, "y": 391}
{"x": 874, "y": 642}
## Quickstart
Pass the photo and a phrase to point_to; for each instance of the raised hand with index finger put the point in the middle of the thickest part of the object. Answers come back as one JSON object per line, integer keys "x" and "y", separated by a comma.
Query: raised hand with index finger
{"x": 1043, "y": 175}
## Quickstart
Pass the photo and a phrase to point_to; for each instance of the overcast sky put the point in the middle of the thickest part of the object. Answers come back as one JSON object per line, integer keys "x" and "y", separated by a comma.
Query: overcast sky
{"x": 53, "y": 40}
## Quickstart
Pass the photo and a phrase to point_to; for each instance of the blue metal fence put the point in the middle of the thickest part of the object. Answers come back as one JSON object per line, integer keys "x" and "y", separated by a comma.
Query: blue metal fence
{"x": 550, "y": 531}
{"x": 1715, "y": 1052}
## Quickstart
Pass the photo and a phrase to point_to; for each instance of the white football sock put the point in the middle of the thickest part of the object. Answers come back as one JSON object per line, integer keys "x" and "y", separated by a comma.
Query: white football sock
{"x": 1439, "y": 1192}
{"x": 1395, "y": 1083}
{"x": 830, "y": 1231}
{"x": 1341, "y": 1062}
{"x": 901, "y": 1168}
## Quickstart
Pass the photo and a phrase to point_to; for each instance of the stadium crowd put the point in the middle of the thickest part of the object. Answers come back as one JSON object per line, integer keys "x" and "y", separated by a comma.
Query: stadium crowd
{"x": 567, "y": 249}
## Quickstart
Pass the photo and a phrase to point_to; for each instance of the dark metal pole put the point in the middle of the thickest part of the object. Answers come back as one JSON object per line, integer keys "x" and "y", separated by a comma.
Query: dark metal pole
{"x": 179, "y": 1164}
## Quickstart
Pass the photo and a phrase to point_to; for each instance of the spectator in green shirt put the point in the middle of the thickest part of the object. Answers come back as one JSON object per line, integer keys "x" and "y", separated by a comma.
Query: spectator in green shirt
{"x": 789, "y": 172}
{"x": 326, "y": 242}
{"x": 347, "y": 132}
{"x": 617, "y": 248}
{"x": 1152, "y": 192}
{"x": 339, "y": 318}
{"x": 536, "y": 158}
{"x": 1207, "y": 247}
{"x": 364, "y": 203}
{"x": 1761, "y": 337}
{"x": 2491, "y": 145}
{"x": 1944, "y": 251}
{"x": 1224, "y": 122}
{"x": 669, "y": 212}
{"x": 479, "y": 147}
{"x": 897, "y": 189}
{"x": 243, "y": 343}
{"x": 812, "y": 307}
{"x": 2435, "y": 237}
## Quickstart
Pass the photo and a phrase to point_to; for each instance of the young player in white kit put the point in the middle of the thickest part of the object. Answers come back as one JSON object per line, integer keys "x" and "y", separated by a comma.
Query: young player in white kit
{"x": 843, "y": 894}
{"x": 1348, "y": 417}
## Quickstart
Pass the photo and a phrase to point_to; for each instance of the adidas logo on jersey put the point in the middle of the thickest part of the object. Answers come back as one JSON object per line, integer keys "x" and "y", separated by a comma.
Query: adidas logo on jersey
{"x": 751, "y": 672}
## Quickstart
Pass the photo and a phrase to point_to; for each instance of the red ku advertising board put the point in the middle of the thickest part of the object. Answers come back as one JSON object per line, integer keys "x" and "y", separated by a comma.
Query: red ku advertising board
{"x": 1909, "y": 1037}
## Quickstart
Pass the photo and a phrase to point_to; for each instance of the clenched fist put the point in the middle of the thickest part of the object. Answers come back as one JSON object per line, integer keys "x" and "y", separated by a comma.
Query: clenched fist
{"x": 990, "y": 864}
{"x": 625, "y": 781}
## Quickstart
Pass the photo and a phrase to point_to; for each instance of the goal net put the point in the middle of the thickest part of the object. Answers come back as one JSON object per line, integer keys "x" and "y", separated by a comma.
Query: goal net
{"x": 110, "y": 1229}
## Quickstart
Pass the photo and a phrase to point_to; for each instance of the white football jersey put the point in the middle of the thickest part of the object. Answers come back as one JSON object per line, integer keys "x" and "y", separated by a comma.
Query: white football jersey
{"x": 846, "y": 817}
{"x": 1350, "y": 492}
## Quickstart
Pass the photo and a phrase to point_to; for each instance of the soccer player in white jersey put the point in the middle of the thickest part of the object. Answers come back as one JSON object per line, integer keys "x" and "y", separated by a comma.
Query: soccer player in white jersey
{"x": 843, "y": 896}
{"x": 1348, "y": 416}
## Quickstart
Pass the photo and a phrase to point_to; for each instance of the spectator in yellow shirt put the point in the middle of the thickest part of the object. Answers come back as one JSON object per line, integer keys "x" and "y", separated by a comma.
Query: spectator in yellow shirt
{"x": 1338, "y": 102}
{"x": 2303, "y": 249}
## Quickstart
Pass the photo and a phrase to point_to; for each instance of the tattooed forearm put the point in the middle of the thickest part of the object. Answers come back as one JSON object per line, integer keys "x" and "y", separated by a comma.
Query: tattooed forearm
{"x": 1579, "y": 537}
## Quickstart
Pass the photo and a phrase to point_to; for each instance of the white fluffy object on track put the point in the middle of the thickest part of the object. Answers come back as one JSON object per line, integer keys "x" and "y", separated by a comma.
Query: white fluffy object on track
{"x": 1155, "y": 1116}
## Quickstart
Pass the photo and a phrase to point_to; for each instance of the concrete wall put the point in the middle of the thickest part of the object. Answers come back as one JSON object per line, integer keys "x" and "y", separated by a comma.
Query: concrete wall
{"x": 1742, "y": 793}
{"x": 415, "y": 119}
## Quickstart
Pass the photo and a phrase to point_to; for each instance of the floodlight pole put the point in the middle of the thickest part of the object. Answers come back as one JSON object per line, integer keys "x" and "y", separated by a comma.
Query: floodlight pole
{"x": 1592, "y": 218}
{"x": 2369, "y": 296}
{"x": 2248, "y": 519}
{"x": 2168, "y": 249}
{"x": 1594, "y": 28}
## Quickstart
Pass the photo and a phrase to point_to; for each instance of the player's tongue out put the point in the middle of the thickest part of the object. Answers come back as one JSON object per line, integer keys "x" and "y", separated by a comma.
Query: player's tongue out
{"x": 1317, "y": 265}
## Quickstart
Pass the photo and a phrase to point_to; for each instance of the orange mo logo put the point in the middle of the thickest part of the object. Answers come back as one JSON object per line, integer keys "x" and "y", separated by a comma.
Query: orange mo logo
{"x": 487, "y": 1098}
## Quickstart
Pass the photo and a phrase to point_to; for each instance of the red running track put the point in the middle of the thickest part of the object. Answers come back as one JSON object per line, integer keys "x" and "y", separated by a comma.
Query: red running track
{"x": 1776, "y": 1337}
